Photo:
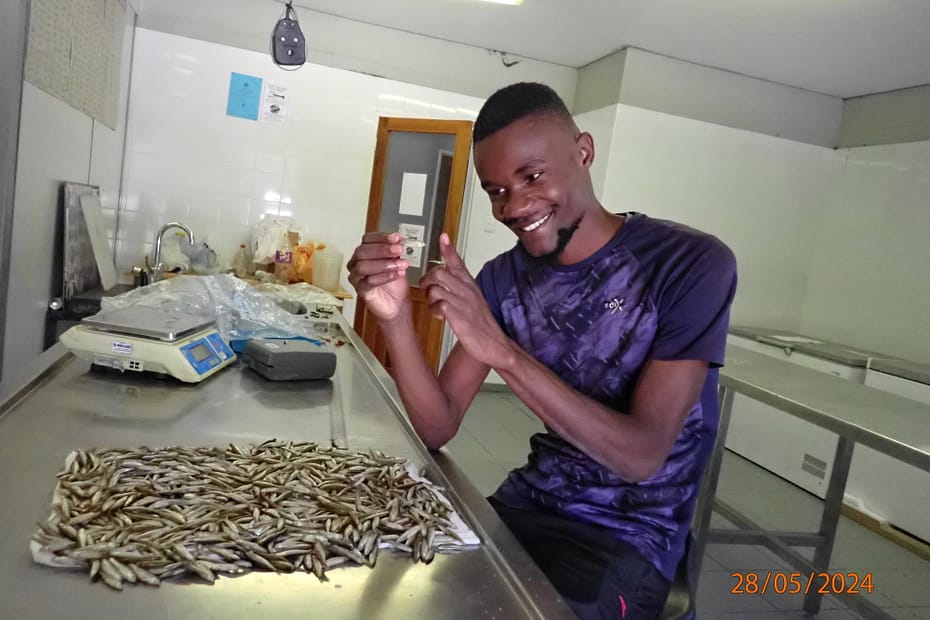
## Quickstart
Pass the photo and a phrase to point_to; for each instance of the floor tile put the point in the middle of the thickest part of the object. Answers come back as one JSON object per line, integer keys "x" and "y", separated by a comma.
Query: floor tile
{"x": 903, "y": 587}
{"x": 744, "y": 557}
{"x": 464, "y": 446}
{"x": 868, "y": 554}
{"x": 715, "y": 596}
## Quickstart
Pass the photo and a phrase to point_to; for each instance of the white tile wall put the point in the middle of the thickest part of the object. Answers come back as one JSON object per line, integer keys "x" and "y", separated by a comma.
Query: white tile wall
{"x": 759, "y": 194}
{"x": 600, "y": 124}
{"x": 188, "y": 161}
{"x": 870, "y": 282}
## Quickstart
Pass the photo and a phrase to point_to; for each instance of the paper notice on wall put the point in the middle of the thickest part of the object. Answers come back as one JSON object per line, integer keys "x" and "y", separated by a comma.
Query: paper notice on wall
{"x": 412, "y": 194}
{"x": 245, "y": 94}
{"x": 413, "y": 252}
{"x": 275, "y": 101}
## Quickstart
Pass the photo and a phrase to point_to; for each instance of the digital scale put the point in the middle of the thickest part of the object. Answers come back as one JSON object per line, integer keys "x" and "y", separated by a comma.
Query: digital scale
{"x": 146, "y": 339}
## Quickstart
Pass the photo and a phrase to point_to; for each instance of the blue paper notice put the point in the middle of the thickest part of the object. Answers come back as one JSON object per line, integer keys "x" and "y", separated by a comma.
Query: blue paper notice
{"x": 245, "y": 94}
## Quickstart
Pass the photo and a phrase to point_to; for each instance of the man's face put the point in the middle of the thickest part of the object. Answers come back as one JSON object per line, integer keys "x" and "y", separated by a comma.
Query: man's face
{"x": 536, "y": 172}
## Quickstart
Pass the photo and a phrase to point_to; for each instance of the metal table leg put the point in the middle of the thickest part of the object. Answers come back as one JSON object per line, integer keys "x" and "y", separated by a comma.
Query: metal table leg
{"x": 708, "y": 491}
{"x": 833, "y": 504}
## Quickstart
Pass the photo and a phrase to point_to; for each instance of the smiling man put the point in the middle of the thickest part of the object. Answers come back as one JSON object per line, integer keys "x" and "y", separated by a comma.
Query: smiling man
{"x": 610, "y": 327}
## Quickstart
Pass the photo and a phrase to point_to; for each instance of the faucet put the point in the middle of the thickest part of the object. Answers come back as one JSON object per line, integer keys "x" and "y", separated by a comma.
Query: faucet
{"x": 158, "y": 265}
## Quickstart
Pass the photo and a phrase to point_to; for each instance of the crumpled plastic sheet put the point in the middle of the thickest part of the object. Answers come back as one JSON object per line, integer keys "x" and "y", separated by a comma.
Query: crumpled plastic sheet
{"x": 239, "y": 311}
{"x": 299, "y": 297}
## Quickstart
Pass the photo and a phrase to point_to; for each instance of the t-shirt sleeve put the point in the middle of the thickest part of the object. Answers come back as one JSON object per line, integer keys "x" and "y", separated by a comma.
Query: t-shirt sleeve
{"x": 694, "y": 306}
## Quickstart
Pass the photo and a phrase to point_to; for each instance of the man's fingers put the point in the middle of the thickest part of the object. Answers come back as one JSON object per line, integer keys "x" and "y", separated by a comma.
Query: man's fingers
{"x": 381, "y": 237}
{"x": 375, "y": 251}
{"x": 379, "y": 279}
{"x": 364, "y": 268}
{"x": 440, "y": 309}
{"x": 448, "y": 252}
{"x": 438, "y": 292}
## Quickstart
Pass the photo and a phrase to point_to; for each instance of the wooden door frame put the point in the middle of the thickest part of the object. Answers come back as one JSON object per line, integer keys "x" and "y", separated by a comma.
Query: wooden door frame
{"x": 461, "y": 129}
{"x": 387, "y": 124}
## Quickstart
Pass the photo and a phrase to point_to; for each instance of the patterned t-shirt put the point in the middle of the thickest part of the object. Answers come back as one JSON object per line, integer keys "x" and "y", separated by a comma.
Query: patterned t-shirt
{"x": 657, "y": 290}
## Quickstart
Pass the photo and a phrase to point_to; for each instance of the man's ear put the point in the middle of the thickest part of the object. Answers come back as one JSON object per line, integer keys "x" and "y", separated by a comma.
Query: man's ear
{"x": 585, "y": 144}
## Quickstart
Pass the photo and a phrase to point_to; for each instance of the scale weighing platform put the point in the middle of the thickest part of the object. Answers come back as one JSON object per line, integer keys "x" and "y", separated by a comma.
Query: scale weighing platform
{"x": 142, "y": 338}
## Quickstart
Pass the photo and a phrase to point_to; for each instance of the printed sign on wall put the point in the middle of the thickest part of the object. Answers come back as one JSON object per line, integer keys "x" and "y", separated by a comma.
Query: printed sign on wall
{"x": 275, "y": 100}
{"x": 245, "y": 95}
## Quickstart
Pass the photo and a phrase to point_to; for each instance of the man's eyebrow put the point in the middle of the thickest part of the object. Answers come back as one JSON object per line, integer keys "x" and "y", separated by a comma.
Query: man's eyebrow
{"x": 521, "y": 170}
{"x": 531, "y": 163}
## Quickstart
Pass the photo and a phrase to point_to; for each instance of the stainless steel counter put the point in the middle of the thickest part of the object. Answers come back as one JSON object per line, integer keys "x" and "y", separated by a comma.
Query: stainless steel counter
{"x": 74, "y": 406}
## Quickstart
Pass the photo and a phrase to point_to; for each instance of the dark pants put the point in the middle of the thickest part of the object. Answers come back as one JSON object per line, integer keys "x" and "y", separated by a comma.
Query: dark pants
{"x": 597, "y": 575}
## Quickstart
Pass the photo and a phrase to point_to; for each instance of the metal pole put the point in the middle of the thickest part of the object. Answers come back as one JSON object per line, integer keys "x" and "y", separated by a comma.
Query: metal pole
{"x": 833, "y": 504}
{"x": 705, "y": 503}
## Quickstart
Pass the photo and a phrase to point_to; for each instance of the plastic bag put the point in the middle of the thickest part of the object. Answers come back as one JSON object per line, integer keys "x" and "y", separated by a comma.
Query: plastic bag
{"x": 299, "y": 298}
{"x": 302, "y": 270}
{"x": 202, "y": 258}
{"x": 266, "y": 237}
{"x": 239, "y": 311}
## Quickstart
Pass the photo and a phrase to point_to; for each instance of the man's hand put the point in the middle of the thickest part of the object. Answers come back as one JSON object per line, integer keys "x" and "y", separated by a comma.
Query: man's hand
{"x": 378, "y": 273}
{"x": 453, "y": 295}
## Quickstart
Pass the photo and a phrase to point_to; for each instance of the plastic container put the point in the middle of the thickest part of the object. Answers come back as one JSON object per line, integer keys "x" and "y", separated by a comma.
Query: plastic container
{"x": 327, "y": 266}
{"x": 242, "y": 262}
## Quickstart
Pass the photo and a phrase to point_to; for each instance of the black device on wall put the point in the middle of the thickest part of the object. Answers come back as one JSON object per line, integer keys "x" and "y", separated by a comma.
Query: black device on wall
{"x": 288, "y": 45}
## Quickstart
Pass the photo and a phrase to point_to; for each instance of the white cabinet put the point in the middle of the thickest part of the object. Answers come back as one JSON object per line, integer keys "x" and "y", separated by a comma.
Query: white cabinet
{"x": 884, "y": 487}
{"x": 796, "y": 450}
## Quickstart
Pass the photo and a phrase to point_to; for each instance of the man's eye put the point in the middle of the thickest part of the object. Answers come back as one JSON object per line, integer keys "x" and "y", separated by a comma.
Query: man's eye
{"x": 498, "y": 191}
{"x": 532, "y": 177}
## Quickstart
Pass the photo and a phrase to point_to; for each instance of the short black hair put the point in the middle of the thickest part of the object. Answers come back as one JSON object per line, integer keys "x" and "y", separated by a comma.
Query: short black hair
{"x": 514, "y": 102}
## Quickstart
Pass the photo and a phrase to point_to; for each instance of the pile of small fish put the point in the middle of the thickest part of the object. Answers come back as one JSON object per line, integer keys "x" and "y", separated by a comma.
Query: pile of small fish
{"x": 145, "y": 515}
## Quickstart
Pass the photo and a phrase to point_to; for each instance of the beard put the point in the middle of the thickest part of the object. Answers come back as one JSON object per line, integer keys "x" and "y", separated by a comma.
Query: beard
{"x": 564, "y": 235}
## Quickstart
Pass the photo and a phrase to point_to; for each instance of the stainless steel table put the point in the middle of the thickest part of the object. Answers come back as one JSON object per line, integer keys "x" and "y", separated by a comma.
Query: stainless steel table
{"x": 887, "y": 423}
{"x": 70, "y": 405}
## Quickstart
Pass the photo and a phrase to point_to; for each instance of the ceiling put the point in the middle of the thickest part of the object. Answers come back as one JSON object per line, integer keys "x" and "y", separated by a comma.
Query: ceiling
{"x": 843, "y": 48}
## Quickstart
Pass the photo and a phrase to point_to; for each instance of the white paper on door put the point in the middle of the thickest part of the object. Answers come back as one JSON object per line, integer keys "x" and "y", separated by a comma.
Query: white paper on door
{"x": 412, "y": 193}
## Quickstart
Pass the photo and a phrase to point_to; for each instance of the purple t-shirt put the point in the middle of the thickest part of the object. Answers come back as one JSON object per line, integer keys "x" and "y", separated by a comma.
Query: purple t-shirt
{"x": 656, "y": 290}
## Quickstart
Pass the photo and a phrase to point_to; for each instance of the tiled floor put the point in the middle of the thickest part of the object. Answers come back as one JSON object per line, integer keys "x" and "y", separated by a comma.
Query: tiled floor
{"x": 493, "y": 439}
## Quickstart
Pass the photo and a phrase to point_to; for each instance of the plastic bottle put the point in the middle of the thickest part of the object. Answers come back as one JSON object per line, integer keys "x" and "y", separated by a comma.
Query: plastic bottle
{"x": 242, "y": 262}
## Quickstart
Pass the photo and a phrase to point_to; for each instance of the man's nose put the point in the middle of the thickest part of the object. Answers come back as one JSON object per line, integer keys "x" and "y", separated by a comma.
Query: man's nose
{"x": 516, "y": 205}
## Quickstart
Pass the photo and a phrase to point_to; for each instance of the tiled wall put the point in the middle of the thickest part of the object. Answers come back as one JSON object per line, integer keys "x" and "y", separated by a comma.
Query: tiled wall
{"x": 832, "y": 243}
{"x": 187, "y": 161}
{"x": 761, "y": 195}
{"x": 870, "y": 282}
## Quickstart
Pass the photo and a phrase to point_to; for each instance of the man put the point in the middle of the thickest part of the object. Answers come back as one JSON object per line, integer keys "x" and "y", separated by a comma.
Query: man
{"x": 609, "y": 327}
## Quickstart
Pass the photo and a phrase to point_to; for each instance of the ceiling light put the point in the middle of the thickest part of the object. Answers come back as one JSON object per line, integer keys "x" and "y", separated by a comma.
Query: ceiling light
{"x": 511, "y": 2}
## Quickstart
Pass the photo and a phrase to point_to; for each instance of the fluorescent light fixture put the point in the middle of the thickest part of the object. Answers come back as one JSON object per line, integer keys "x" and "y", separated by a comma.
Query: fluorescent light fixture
{"x": 510, "y": 2}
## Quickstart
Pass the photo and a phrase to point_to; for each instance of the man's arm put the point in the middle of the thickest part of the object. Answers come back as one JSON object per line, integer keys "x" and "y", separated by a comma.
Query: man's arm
{"x": 435, "y": 406}
{"x": 635, "y": 445}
